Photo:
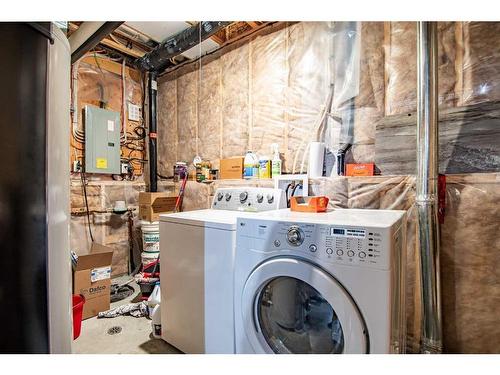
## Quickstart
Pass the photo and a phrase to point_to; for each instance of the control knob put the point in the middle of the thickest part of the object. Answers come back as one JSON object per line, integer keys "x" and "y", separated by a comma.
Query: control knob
{"x": 260, "y": 198}
{"x": 270, "y": 198}
{"x": 243, "y": 196}
{"x": 228, "y": 197}
{"x": 220, "y": 196}
{"x": 295, "y": 236}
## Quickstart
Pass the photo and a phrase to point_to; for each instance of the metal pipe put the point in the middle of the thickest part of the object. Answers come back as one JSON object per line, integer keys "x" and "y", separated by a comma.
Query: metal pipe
{"x": 426, "y": 187}
{"x": 160, "y": 57}
{"x": 153, "y": 176}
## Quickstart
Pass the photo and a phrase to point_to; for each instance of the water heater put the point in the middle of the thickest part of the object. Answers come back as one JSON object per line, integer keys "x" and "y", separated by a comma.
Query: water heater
{"x": 35, "y": 282}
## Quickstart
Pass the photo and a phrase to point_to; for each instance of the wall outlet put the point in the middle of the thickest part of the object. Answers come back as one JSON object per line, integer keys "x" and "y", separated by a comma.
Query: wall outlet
{"x": 124, "y": 168}
{"x": 134, "y": 112}
{"x": 77, "y": 166}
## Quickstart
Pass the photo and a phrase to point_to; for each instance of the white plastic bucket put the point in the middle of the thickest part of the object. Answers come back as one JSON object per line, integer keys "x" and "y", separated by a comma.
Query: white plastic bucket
{"x": 148, "y": 258}
{"x": 150, "y": 241}
{"x": 150, "y": 236}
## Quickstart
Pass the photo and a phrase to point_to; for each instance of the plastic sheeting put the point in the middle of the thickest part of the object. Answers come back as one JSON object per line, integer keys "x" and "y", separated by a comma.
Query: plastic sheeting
{"x": 252, "y": 97}
{"x": 276, "y": 89}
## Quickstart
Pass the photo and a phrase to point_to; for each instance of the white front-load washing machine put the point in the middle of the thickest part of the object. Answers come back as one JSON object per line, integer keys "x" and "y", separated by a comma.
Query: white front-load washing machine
{"x": 197, "y": 268}
{"x": 320, "y": 282}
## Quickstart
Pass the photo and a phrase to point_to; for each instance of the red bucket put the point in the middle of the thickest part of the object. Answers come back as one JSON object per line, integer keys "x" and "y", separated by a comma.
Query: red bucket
{"x": 78, "y": 301}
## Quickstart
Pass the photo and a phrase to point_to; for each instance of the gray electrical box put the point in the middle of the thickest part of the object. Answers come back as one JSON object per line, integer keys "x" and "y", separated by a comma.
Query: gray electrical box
{"x": 102, "y": 140}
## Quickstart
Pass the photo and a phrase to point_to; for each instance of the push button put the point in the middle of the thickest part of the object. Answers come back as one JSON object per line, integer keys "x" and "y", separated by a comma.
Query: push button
{"x": 329, "y": 251}
{"x": 277, "y": 243}
{"x": 340, "y": 252}
{"x": 362, "y": 254}
{"x": 313, "y": 248}
{"x": 350, "y": 253}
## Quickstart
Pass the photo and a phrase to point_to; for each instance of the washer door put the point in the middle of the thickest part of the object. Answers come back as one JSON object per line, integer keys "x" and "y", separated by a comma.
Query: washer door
{"x": 291, "y": 306}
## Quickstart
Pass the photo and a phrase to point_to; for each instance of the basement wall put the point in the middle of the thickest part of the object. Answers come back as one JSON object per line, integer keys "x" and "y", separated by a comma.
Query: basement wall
{"x": 100, "y": 85}
{"x": 274, "y": 88}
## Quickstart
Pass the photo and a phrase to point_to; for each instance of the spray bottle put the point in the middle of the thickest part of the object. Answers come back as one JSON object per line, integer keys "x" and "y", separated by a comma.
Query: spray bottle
{"x": 276, "y": 162}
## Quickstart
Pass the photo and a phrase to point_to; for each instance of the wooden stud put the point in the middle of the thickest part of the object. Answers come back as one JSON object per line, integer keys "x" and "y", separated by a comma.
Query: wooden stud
{"x": 387, "y": 54}
{"x": 253, "y": 24}
{"x": 221, "y": 114}
{"x": 123, "y": 49}
{"x": 459, "y": 68}
{"x": 113, "y": 67}
{"x": 250, "y": 99}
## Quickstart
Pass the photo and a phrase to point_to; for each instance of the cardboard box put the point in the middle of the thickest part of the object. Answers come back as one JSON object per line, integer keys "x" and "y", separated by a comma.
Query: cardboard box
{"x": 151, "y": 205}
{"x": 231, "y": 168}
{"x": 92, "y": 279}
{"x": 367, "y": 169}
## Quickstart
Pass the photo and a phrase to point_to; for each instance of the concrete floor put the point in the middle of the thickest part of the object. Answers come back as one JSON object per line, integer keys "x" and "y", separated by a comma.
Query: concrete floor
{"x": 135, "y": 336}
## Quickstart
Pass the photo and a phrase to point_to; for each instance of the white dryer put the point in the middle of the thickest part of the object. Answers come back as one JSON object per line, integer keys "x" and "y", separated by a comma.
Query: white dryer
{"x": 197, "y": 268}
{"x": 320, "y": 283}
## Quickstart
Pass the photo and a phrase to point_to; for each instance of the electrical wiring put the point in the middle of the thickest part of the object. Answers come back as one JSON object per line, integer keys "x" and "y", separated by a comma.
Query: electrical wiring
{"x": 137, "y": 160}
{"x": 140, "y": 133}
{"x": 286, "y": 193}
{"x": 86, "y": 205}
{"x": 295, "y": 189}
{"x": 123, "y": 136}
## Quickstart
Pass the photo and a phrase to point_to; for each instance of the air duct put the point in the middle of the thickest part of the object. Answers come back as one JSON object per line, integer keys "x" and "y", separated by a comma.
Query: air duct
{"x": 88, "y": 35}
{"x": 427, "y": 184}
{"x": 158, "y": 59}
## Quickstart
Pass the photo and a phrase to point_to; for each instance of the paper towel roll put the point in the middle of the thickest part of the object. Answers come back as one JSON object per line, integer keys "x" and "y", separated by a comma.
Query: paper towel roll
{"x": 316, "y": 156}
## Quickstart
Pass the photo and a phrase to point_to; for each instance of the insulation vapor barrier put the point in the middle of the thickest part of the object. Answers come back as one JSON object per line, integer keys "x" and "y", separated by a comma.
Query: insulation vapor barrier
{"x": 356, "y": 82}
{"x": 329, "y": 82}
{"x": 250, "y": 98}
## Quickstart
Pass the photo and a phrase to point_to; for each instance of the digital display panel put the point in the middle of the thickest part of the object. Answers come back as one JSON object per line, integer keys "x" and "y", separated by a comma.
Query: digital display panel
{"x": 337, "y": 232}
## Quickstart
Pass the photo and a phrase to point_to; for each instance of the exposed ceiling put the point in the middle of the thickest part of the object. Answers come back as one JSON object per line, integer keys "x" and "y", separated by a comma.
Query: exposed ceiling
{"x": 135, "y": 39}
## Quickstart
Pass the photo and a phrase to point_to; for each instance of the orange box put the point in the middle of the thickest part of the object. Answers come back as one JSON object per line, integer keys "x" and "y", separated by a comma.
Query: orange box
{"x": 367, "y": 169}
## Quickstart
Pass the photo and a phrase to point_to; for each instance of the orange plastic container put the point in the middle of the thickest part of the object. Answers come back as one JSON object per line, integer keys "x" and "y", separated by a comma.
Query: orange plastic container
{"x": 309, "y": 204}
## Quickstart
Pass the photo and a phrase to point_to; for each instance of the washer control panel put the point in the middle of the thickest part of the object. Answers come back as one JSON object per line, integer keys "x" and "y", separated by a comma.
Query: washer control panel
{"x": 357, "y": 246}
{"x": 253, "y": 199}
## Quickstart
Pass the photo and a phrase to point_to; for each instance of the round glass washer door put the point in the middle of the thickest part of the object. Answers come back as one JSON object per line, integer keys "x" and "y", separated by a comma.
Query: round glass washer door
{"x": 293, "y": 307}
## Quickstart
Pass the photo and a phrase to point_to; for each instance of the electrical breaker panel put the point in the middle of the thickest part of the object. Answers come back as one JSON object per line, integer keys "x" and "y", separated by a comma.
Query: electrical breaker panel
{"x": 102, "y": 140}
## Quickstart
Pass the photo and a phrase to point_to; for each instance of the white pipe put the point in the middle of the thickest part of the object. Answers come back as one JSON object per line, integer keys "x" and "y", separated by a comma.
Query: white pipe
{"x": 82, "y": 34}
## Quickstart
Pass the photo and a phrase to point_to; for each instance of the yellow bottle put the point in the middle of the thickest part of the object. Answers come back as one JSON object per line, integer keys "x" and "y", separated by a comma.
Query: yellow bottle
{"x": 264, "y": 167}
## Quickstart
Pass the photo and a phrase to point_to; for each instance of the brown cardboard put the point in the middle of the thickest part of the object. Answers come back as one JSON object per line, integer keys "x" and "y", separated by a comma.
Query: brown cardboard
{"x": 231, "y": 168}
{"x": 151, "y": 205}
{"x": 97, "y": 294}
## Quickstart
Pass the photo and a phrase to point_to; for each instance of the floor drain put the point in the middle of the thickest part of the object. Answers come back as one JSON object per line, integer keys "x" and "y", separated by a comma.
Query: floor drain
{"x": 114, "y": 330}
{"x": 119, "y": 293}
